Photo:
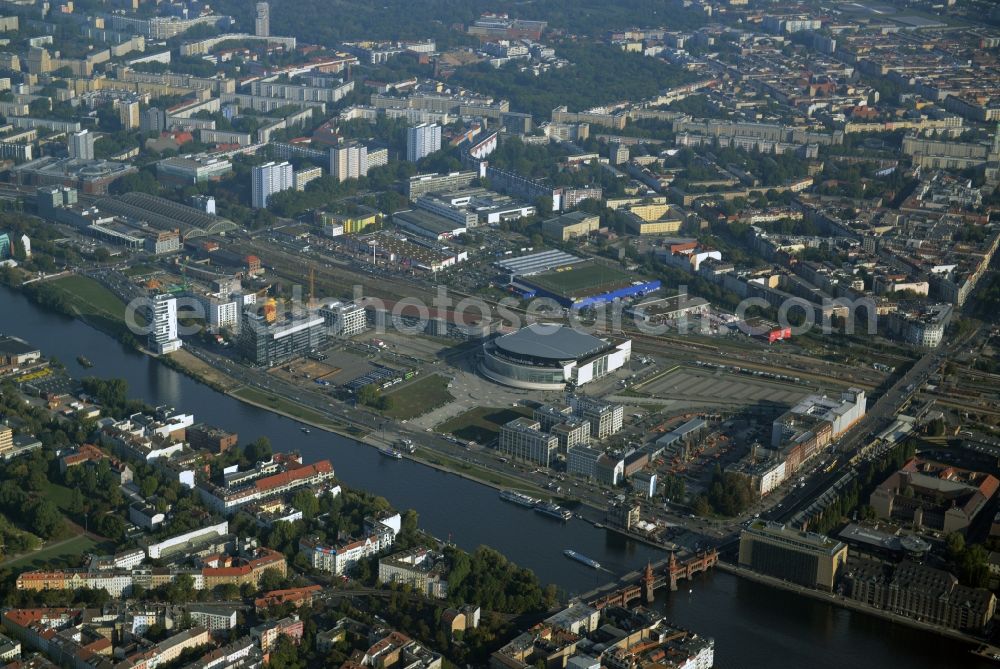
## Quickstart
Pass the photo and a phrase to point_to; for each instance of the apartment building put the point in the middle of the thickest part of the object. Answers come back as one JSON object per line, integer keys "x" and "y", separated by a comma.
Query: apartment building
{"x": 423, "y": 570}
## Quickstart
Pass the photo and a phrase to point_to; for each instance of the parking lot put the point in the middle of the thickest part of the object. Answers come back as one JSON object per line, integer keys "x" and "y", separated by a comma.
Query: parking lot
{"x": 722, "y": 388}
{"x": 337, "y": 368}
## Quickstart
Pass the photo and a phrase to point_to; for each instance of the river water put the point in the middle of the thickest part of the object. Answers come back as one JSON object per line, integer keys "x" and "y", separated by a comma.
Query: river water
{"x": 753, "y": 626}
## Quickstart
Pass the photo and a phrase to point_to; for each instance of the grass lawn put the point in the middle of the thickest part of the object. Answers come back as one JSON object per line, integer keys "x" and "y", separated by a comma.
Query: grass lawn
{"x": 419, "y": 397}
{"x": 141, "y": 269}
{"x": 482, "y": 424}
{"x": 481, "y": 473}
{"x": 89, "y": 297}
{"x": 282, "y": 405}
{"x": 65, "y": 552}
{"x": 60, "y": 495}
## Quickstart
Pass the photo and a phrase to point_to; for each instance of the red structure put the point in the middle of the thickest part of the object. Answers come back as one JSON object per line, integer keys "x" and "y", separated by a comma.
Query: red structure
{"x": 667, "y": 574}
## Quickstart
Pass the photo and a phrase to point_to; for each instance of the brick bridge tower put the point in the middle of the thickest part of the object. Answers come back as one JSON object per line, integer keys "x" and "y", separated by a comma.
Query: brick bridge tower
{"x": 673, "y": 571}
{"x": 648, "y": 584}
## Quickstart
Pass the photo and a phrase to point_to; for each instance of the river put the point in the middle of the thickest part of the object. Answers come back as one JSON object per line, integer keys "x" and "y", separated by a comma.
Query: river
{"x": 753, "y": 626}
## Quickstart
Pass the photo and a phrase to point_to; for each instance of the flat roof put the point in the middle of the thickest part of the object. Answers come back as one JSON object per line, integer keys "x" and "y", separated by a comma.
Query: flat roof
{"x": 538, "y": 262}
{"x": 428, "y": 221}
{"x": 15, "y": 346}
{"x": 554, "y": 342}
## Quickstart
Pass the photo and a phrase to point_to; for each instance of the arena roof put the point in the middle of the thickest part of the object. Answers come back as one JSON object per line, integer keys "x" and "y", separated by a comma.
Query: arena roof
{"x": 550, "y": 342}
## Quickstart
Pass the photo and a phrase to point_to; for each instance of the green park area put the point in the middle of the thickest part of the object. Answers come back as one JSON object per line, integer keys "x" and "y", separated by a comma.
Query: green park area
{"x": 60, "y": 551}
{"x": 490, "y": 476}
{"x": 89, "y": 298}
{"x": 418, "y": 397}
{"x": 284, "y": 406}
{"x": 482, "y": 424}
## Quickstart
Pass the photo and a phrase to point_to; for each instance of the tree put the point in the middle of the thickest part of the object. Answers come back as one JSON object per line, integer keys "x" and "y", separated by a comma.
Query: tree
{"x": 143, "y": 181}
{"x": 148, "y": 485}
{"x": 227, "y": 592}
{"x": 111, "y": 526}
{"x": 181, "y": 589}
{"x": 271, "y": 579}
{"x": 285, "y": 654}
{"x": 367, "y": 394}
{"x": 955, "y": 545}
{"x": 259, "y": 450}
{"x": 409, "y": 529}
{"x": 543, "y": 205}
{"x": 46, "y": 519}
{"x": 305, "y": 501}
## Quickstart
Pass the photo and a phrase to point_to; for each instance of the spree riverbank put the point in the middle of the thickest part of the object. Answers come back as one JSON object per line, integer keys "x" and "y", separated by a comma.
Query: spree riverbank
{"x": 754, "y": 626}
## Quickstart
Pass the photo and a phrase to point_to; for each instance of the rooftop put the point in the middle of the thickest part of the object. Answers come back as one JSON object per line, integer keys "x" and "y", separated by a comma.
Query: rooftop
{"x": 555, "y": 342}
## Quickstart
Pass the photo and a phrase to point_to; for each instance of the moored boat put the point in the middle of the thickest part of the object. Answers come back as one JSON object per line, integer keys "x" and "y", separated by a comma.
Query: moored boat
{"x": 554, "y": 510}
{"x": 518, "y": 498}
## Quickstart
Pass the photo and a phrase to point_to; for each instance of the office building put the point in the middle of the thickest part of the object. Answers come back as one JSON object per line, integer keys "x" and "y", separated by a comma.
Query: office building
{"x": 610, "y": 470}
{"x": 806, "y": 558}
{"x": 81, "y": 145}
{"x": 349, "y": 161}
{"x": 934, "y": 495}
{"x": 185, "y": 170}
{"x": 163, "y": 336}
{"x": 644, "y": 483}
{"x": 262, "y": 21}
{"x": 363, "y": 220}
{"x": 566, "y": 227}
{"x": 582, "y": 460}
{"x": 605, "y": 419}
{"x": 128, "y": 114}
{"x": 344, "y": 319}
{"x": 269, "y": 179}
{"x": 268, "y": 343}
{"x": 523, "y": 439}
{"x": 422, "y": 140}
{"x": 572, "y": 432}
{"x": 6, "y": 250}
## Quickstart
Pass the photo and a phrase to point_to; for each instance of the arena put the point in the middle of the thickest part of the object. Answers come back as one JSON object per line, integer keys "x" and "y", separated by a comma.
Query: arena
{"x": 550, "y": 357}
